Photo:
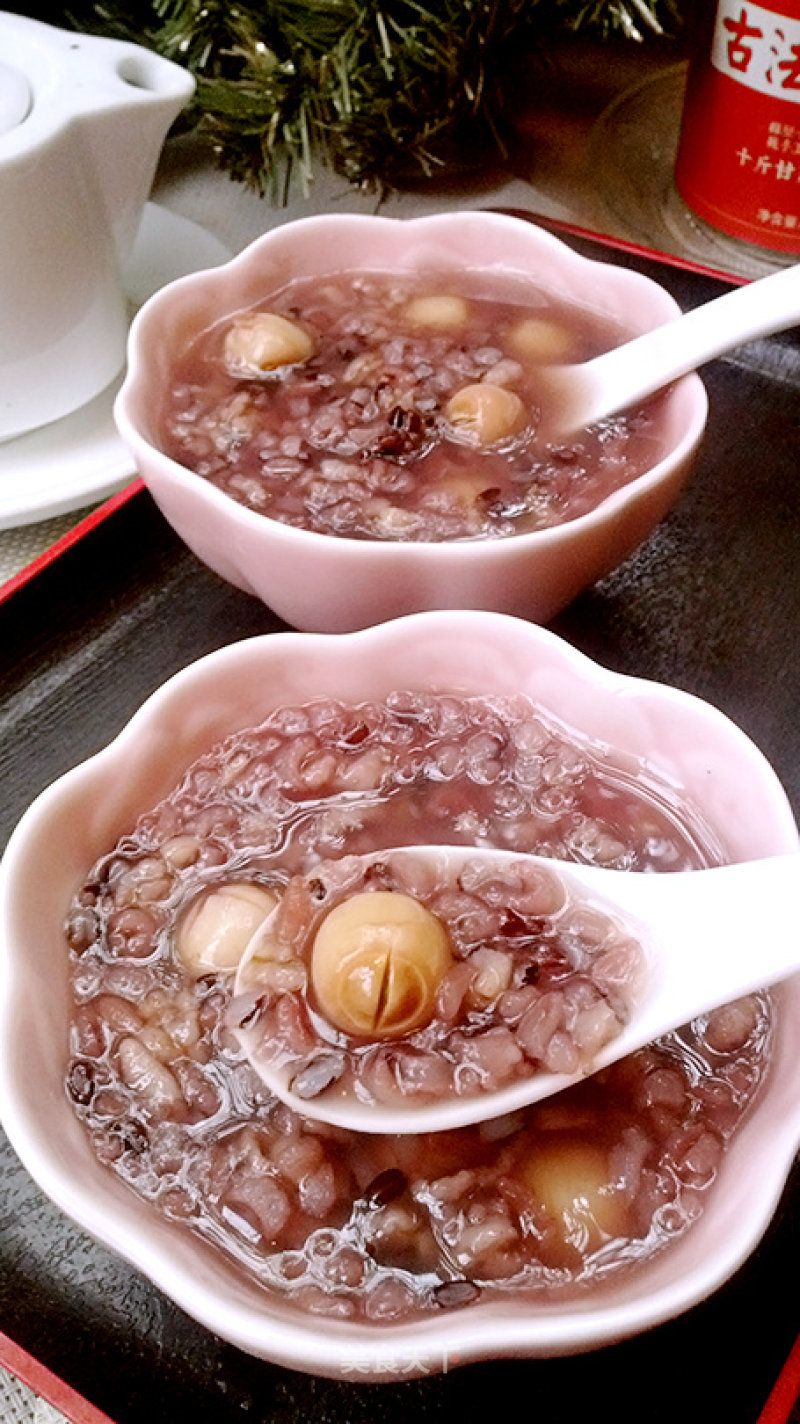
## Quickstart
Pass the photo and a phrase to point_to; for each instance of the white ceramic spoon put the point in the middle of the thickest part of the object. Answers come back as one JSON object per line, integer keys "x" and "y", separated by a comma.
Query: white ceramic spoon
{"x": 708, "y": 936}
{"x": 581, "y": 394}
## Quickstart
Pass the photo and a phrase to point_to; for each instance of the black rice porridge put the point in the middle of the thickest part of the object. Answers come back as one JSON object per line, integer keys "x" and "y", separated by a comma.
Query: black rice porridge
{"x": 414, "y": 982}
{"x": 542, "y": 1203}
{"x": 400, "y": 409}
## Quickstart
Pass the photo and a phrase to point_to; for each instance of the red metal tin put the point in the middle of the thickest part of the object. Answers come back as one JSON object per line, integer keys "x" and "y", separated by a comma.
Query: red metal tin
{"x": 738, "y": 165}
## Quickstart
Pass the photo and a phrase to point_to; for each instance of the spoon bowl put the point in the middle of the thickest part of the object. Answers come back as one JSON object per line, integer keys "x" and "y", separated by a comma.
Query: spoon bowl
{"x": 660, "y": 949}
{"x": 580, "y": 395}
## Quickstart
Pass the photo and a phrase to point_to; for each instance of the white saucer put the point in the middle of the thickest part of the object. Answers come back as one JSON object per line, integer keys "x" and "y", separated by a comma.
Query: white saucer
{"x": 80, "y": 460}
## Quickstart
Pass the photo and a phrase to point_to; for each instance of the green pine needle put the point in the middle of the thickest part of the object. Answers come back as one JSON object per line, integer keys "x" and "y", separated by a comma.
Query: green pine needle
{"x": 380, "y": 93}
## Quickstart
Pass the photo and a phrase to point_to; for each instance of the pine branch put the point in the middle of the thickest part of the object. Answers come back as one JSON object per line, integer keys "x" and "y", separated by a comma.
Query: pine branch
{"x": 377, "y": 91}
{"x": 635, "y": 19}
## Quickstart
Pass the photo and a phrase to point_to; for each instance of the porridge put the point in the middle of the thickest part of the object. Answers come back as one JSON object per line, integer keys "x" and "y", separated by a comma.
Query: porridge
{"x": 375, "y": 407}
{"x": 413, "y": 983}
{"x": 543, "y": 1202}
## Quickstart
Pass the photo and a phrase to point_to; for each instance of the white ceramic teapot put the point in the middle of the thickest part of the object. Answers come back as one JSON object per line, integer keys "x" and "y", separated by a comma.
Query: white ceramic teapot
{"x": 82, "y": 123}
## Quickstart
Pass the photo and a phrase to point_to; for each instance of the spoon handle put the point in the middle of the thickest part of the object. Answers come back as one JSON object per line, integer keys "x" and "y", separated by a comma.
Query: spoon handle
{"x": 634, "y": 370}
{"x": 725, "y": 932}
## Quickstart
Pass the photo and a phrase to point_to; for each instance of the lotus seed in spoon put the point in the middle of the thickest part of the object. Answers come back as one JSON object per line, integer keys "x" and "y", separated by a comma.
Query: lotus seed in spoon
{"x": 428, "y": 987}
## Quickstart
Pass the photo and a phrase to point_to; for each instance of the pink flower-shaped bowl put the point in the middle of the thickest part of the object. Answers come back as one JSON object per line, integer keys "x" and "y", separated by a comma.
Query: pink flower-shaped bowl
{"x": 697, "y": 749}
{"x": 324, "y": 583}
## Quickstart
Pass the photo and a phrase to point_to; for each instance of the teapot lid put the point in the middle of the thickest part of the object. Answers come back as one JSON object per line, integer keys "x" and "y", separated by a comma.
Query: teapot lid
{"x": 15, "y": 97}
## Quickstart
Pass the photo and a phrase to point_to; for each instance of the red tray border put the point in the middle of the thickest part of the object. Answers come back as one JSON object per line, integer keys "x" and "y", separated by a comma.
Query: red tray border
{"x": 73, "y": 536}
{"x": 48, "y": 1386}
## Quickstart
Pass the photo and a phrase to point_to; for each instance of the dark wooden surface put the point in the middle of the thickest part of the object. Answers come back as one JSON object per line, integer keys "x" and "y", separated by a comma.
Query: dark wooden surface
{"x": 712, "y": 604}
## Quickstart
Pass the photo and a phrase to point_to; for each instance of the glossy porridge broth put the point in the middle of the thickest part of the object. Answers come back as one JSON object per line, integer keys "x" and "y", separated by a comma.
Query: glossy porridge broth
{"x": 400, "y": 409}
{"x": 545, "y": 1202}
{"x": 413, "y": 981}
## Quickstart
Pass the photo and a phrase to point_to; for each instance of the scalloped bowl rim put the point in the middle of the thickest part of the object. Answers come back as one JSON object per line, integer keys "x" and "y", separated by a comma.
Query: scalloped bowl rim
{"x": 202, "y": 1282}
{"x": 217, "y": 279}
